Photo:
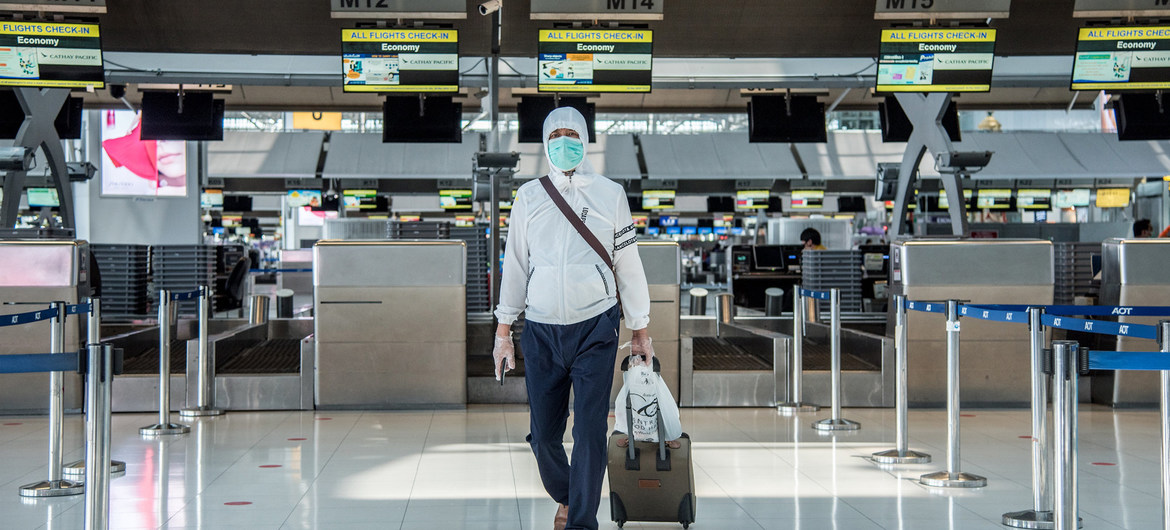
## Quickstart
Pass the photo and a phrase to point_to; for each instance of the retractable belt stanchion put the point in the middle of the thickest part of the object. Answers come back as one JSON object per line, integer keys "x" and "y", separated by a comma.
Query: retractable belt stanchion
{"x": 1040, "y": 516}
{"x": 902, "y": 453}
{"x": 1064, "y": 421}
{"x": 836, "y": 423}
{"x": 206, "y": 390}
{"x": 166, "y": 311}
{"x": 98, "y": 379}
{"x": 795, "y": 401}
{"x": 952, "y": 477}
{"x": 55, "y": 486}
{"x": 77, "y": 469}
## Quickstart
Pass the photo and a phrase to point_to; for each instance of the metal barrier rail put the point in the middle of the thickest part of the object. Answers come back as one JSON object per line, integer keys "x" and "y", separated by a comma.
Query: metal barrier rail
{"x": 93, "y": 309}
{"x": 205, "y": 393}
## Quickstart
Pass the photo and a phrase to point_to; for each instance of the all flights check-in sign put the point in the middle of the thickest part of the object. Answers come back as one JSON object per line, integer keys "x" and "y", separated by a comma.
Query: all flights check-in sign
{"x": 936, "y": 60}
{"x": 1122, "y": 58}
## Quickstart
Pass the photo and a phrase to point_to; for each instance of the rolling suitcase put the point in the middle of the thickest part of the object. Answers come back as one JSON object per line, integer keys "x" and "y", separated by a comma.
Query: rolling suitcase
{"x": 649, "y": 481}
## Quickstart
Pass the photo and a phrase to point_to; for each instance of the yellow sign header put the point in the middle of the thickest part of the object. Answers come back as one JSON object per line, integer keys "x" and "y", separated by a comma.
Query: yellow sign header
{"x": 400, "y": 88}
{"x": 49, "y": 30}
{"x": 594, "y": 88}
{"x": 1139, "y": 33}
{"x": 591, "y": 35}
{"x": 52, "y": 83}
{"x": 399, "y": 35}
{"x": 938, "y": 35}
{"x": 933, "y": 88}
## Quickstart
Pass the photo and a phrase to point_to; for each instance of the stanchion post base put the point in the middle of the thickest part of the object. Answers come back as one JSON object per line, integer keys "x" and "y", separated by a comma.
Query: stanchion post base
{"x": 840, "y": 424}
{"x": 893, "y": 456}
{"x": 943, "y": 479}
{"x": 77, "y": 469}
{"x": 162, "y": 430}
{"x": 1033, "y": 520}
{"x": 796, "y": 408}
{"x": 52, "y": 488}
{"x": 199, "y": 412}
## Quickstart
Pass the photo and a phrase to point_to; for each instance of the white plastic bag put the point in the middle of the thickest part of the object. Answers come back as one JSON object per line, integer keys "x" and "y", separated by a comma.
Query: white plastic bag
{"x": 649, "y": 398}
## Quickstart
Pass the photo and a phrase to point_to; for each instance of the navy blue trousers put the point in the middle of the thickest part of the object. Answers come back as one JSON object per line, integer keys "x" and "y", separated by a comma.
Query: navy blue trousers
{"x": 580, "y": 356}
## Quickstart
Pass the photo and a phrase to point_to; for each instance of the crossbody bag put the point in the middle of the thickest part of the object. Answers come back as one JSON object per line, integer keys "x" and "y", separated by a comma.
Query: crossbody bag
{"x": 586, "y": 234}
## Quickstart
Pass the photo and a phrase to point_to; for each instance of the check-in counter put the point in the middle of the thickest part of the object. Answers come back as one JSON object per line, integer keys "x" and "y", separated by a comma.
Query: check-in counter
{"x": 662, "y": 261}
{"x": 995, "y": 358}
{"x": 1134, "y": 272}
{"x": 34, "y": 274}
{"x": 391, "y": 323}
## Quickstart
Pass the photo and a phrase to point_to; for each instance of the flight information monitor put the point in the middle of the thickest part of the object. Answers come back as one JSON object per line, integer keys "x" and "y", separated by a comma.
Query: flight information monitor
{"x": 808, "y": 199}
{"x": 400, "y": 60}
{"x": 752, "y": 199}
{"x": 1113, "y": 197}
{"x": 1072, "y": 198}
{"x": 360, "y": 199}
{"x": 455, "y": 199}
{"x": 1038, "y": 199}
{"x": 579, "y": 60}
{"x": 1122, "y": 58}
{"x": 51, "y": 55}
{"x": 936, "y": 60}
{"x": 945, "y": 204}
{"x": 657, "y": 199}
{"x": 43, "y": 198}
{"x": 994, "y": 199}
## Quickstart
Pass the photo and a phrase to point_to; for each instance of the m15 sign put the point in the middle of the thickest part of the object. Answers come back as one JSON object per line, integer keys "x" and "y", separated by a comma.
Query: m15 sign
{"x": 941, "y": 9}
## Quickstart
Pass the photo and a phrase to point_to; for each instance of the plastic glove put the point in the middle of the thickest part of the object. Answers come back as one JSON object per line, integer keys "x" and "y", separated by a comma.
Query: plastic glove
{"x": 504, "y": 352}
{"x": 642, "y": 349}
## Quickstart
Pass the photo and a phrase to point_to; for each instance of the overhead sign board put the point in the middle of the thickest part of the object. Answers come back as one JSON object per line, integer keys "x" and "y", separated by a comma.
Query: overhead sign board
{"x": 1122, "y": 58}
{"x": 400, "y": 60}
{"x": 596, "y": 9}
{"x": 573, "y": 60}
{"x": 1120, "y": 8}
{"x": 940, "y": 9}
{"x": 50, "y": 55}
{"x": 414, "y": 9}
{"x": 56, "y": 6}
{"x": 936, "y": 60}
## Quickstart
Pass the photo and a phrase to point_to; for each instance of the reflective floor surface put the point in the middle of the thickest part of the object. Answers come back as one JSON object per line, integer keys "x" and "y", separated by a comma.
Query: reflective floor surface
{"x": 471, "y": 469}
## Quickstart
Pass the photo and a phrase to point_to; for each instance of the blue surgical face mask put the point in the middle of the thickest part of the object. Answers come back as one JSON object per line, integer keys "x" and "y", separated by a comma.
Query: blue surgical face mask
{"x": 566, "y": 153}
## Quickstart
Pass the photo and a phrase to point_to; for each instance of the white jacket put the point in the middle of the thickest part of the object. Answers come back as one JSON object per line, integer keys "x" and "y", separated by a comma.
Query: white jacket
{"x": 552, "y": 274}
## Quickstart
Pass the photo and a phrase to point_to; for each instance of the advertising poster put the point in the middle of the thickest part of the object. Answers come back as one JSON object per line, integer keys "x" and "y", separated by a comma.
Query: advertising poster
{"x": 132, "y": 167}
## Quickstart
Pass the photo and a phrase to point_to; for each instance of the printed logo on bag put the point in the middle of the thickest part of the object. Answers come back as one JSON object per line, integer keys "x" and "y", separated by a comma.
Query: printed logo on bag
{"x": 584, "y": 214}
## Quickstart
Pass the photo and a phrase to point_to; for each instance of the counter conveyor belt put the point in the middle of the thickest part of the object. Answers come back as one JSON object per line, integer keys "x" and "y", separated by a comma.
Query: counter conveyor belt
{"x": 712, "y": 353}
{"x": 273, "y": 356}
{"x": 715, "y": 354}
{"x": 147, "y": 361}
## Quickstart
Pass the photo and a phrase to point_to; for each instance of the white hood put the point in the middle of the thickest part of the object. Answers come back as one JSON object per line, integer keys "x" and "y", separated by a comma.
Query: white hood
{"x": 568, "y": 118}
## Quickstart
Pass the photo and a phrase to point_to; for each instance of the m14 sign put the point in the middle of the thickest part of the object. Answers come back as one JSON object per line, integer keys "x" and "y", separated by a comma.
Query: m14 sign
{"x": 596, "y": 9}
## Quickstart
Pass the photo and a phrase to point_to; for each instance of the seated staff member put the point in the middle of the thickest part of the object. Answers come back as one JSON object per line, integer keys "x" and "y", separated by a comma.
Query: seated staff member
{"x": 811, "y": 239}
{"x": 570, "y": 299}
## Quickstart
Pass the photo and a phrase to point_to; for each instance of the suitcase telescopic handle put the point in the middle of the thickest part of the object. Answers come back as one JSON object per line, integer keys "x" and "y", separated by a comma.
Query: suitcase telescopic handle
{"x": 631, "y": 452}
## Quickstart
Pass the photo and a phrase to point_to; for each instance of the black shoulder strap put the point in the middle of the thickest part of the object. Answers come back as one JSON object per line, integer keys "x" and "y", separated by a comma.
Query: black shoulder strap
{"x": 576, "y": 221}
